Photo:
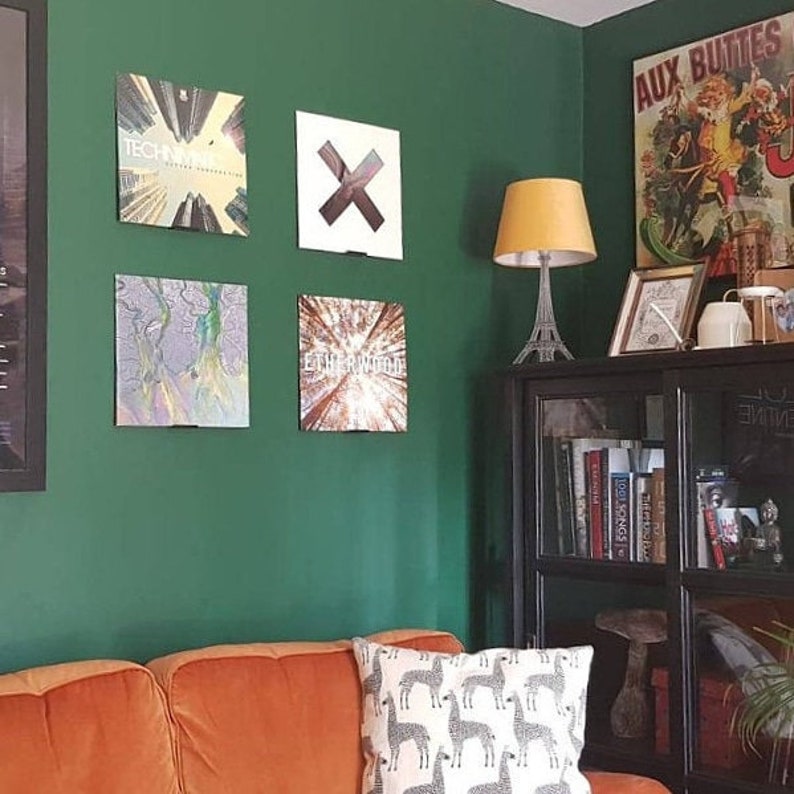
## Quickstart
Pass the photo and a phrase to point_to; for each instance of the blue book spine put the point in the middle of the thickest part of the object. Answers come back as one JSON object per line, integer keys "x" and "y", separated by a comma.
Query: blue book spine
{"x": 621, "y": 516}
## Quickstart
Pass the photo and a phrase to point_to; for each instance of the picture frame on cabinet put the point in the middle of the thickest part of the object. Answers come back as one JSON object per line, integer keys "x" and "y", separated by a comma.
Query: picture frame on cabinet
{"x": 658, "y": 309}
{"x": 23, "y": 244}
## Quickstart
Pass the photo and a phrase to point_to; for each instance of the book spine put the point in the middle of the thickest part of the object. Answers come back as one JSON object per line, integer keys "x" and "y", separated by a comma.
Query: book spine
{"x": 560, "y": 488}
{"x": 712, "y": 533}
{"x": 642, "y": 513}
{"x": 566, "y": 544}
{"x": 621, "y": 516}
{"x": 594, "y": 504}
{"x": 580, "y": 496}
{"x": 713, "y": 492}
{"x": 606, "y": 513}
{"x": 658, "y": 531}
{"x": 569, "y": 523}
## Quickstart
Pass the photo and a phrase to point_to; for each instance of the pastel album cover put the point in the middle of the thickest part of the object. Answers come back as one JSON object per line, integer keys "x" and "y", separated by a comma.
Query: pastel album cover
{"x": 181, "y": 156}
{"x": 181, "y": 353}
{"x": 349, "y": 186}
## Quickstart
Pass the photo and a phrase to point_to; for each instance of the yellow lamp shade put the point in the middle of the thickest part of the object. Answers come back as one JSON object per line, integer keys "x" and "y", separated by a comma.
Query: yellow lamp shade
{"x": 546, "y": 215}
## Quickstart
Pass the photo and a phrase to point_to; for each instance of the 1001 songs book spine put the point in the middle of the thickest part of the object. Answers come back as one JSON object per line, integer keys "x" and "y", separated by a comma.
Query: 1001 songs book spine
{"x": 621, "y": 516}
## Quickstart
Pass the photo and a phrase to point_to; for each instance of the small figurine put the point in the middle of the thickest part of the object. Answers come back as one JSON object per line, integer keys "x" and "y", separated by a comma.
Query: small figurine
{"x": 767, "y": 547}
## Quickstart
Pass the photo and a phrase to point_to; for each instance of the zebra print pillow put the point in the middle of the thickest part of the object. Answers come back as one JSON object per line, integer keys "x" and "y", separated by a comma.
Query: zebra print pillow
{"x": 495, "y": 722}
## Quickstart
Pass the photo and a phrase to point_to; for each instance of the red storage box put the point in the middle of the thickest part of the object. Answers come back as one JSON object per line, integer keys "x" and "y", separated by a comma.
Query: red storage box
{"x": 717, "y": 745}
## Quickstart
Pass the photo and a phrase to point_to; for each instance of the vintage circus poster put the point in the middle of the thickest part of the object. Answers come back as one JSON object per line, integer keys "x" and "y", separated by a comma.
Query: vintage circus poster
{"x": 713, "y": 151}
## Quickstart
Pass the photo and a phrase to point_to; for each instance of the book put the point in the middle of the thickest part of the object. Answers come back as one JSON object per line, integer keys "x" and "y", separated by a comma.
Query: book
{"x": 616, "y": 460}
{"x": 713, "y": 471}
{"x": 650, "y": 458}
{"x": 594, "y": 503}
{"x": 579, "y": 446}
{"x": 712, "y": 492}
{"x": 641, "y": 530}
{"x": 621, "y": 511}
{"x": 749, "y": 521}
{"x": 711, "y": 528}
{"x": 729, "y": 534}
{"x": 566, "y": 525}
{"x": 658, "y": 531}
{"x": 733, "y": 525}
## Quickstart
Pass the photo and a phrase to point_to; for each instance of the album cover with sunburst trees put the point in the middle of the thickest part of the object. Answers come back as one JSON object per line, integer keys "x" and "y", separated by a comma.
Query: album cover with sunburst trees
{"x": 353, "y": 371}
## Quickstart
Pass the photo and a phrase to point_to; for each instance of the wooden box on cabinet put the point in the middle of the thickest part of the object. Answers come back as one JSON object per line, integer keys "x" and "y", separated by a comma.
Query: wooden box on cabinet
{"x": 717, "y": 745}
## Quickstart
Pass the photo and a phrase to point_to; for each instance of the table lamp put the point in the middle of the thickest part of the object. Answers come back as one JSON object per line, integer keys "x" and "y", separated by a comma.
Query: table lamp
{"x": 544, "y": 224}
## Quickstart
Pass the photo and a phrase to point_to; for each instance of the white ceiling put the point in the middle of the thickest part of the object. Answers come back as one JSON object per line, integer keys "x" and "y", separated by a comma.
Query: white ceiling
{"x": 577, "y": 12}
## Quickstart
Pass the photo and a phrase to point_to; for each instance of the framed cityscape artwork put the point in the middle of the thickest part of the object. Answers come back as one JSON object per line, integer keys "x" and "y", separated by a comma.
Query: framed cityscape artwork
{"x": 23, "y": 243}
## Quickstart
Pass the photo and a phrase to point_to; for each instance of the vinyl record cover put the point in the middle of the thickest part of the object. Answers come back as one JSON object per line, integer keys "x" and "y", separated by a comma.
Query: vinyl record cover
{"x": 353, "y": 369}
{"x": 349, "y": 186}
{"x": 181, "y": 353}
{"x": 181, "y": 156}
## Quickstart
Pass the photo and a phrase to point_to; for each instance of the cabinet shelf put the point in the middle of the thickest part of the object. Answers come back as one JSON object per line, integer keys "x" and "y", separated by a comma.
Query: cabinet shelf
{"x": 602, "y": 570}
{"x": 699, "y": 441}
{"x": 772, "y": 585}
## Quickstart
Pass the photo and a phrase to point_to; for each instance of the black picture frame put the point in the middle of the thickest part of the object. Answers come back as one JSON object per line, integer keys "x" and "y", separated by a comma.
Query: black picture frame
{"x": 23, "y": 247}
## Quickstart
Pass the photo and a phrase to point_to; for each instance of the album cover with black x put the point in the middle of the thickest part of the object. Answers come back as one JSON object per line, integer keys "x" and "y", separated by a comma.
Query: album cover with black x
{"x": 181, "y": 156}
{"x": 349, "y": 186}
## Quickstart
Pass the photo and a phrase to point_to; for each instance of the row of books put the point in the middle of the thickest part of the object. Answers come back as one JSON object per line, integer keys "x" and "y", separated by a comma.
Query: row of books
{"x": 609, "y": 499}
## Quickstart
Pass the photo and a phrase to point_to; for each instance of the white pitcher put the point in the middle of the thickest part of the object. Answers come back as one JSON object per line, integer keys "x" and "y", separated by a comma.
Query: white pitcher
{"x": 724, "y": 324}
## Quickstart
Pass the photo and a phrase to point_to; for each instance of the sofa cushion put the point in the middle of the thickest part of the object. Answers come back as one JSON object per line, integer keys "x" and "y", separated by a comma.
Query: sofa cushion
{"x": 511, "y": 720}
{"x": 276, "y": 717}
{"x": 89, "y": 727}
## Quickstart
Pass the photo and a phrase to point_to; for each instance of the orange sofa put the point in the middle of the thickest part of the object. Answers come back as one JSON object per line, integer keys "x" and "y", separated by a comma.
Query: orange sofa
{"x": 279, "y": 718}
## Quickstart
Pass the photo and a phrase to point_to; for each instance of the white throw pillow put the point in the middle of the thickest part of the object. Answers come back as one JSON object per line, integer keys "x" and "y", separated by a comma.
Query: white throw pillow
{"x": 496, "y": 722}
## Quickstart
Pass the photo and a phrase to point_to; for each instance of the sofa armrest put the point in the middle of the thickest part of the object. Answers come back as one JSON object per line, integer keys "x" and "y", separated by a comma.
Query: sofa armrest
{"x": 618, "y": 783}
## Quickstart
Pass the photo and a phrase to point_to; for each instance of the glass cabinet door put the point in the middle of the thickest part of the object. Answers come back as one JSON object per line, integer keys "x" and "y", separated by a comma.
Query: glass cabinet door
{"x": 738, "y": 549}
{"x": 741, "y": 470}
{"x": 625, "y": 623}
{"x": 744, "y": 677}
{"x": 600, "y": 477}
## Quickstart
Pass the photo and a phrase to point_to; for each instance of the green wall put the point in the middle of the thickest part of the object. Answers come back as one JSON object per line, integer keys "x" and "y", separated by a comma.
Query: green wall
{"x": 609, "y": 49}
{"x": 149, "y": 540}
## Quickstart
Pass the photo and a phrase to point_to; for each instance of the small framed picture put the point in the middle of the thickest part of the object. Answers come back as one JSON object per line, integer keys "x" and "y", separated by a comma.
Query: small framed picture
{"x": 658, "y": 309}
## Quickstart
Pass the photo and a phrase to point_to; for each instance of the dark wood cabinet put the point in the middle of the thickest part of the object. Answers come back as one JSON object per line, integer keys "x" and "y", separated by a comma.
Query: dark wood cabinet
{"x": 618, "y": 469}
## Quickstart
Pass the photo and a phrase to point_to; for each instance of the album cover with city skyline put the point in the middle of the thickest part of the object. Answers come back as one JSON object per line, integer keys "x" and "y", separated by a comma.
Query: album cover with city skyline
{"x": 352, "y": 361}
{"x": 181, "y": 156}
{"x": 349, "y": 186}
